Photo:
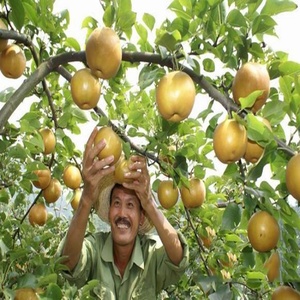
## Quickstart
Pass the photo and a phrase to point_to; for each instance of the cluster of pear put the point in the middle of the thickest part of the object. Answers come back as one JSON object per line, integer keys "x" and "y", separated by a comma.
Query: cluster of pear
{"x": 175, "y": 92}
{"x": 192, "y": 194}
{"x": 103, "y": 56}
{"x": 230, "y": 139}
{"x": 12, "y": 58}
{"x": 50, "y": 186}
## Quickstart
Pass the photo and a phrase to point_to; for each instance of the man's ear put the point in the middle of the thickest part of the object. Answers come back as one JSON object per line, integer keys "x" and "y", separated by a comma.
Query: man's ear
{"x": 142, "y": 217}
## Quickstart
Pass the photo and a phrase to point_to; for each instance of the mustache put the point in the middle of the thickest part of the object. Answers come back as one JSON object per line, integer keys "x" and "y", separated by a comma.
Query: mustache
{"x": 122, "y": 220}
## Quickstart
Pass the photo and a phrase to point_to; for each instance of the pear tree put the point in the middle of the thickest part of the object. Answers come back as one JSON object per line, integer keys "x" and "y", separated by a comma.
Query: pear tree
{"x": 208, "y": 43}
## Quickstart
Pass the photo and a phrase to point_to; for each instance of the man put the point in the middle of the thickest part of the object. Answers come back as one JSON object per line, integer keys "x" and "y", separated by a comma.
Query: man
{"x": 128, "y": 262}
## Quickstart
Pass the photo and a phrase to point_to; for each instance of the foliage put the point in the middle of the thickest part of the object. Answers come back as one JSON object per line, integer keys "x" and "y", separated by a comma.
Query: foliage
{"x": 207, "y": 39}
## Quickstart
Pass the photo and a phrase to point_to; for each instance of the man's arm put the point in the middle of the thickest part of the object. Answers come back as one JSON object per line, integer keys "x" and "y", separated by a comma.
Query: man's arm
{"x": 93, "y": 170}
{"x": 141, "y": 185}
{"x": 166, "y": 232}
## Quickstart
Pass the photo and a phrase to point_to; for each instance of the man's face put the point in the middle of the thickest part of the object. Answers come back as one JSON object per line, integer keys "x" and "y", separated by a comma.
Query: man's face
{"x": 125, "y": 216}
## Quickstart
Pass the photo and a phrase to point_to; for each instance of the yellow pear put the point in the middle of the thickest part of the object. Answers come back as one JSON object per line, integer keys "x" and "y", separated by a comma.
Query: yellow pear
{"x": 121, "y": 168}
{"x": 175, "y": 96}
{"x": 44, "y": 178}
{"x": 38, "y": 214}
{"x": 49, "y": 140}
{"x": 26, "y": 294}
{"x": 285, "y": 292}
{"x": 292, "y": 176}
{"x": 53, "y": 191}
{"x": 167, "y": 193}
{"x": 194, "y": 194}
{"x": 251, "y": 77}
{"x": 263, "y": 231}
{"x": 76, "y": 198}
{"x": 113, "y": 146}
{"x": 72, "y": 177}
{"x": 85, "y": 89}
{"x": 103, "y": 52}
{"x": 3, "y": 42}
{"x": 12, "y": 61}
{"x": 229, "y": 141}
{"x": 272, "y": 265}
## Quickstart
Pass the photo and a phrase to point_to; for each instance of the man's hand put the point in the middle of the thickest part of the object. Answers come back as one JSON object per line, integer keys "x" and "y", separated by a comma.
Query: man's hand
{"x": 141, "y": 180}
{"x": 93, "y": 169}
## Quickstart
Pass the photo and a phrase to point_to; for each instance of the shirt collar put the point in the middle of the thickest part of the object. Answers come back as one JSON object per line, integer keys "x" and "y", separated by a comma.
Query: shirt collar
{"x": 137, "y": 254}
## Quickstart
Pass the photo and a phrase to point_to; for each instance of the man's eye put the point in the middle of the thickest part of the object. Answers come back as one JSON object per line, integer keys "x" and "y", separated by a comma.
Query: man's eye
{"x": 116, "y": 203}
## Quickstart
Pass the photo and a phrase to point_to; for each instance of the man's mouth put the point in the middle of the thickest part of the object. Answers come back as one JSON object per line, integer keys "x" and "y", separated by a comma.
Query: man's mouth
{"x": 122, "y": 223}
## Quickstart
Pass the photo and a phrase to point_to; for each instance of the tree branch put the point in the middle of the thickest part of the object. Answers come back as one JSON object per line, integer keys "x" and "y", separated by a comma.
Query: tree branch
{"x": 55, "y": 63}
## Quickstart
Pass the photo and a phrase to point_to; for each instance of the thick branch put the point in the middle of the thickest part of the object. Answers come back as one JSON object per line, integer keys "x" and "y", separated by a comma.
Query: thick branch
{"x": 16, "y": 36}
{"x": 55, "y": 63}
{"x": 34, "y": 79}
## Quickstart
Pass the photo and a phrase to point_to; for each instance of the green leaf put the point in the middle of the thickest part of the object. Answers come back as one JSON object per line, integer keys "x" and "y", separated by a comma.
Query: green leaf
{"x": 31, "y": 12}
{"x": 253, "y": 275}
{"x": 149, "y": 75}
{"x": 89, "y": 22}
{"x": 258, "y": 131}
{"x": 5, "y": 94}
{"x": 126, "y": 20}
{"x": 289, "y": 68}
{"x": 274, "y": 7}
{"x": 17, "y": 152}
{"x": 249, "y": 101}
{"x": 109, "y": 16}
{"x": 149, "y": 20}
{"x": 179, "y": 8}
{"x": 46, "y": 280}
{"x": 180, "y": 24}
{"x": 72, "y": 44}
{"x": 231, "y": 217}
{"x": 3, "y": 248}
{"x": 27, "y": 280}
{"x": 236, "y": 19}
{"x": 69, "y": 145}
{"x": 34, "y": 145}
{"x": 231, "y": 237}
{"x": 17, "y": 14}
{"x": 263, "y": 24}
{"x": 208, "y": 65}
{"x": 89, "y": 286}
{"x": 4, "y": 196}
{"x": 168, "y": 40}
{"x": 142, "y": 32}
{"x": 53, "y": 292}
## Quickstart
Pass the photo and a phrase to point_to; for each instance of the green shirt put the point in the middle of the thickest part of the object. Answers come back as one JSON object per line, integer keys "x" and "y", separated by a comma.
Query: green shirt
{"x": 147, "y": 273}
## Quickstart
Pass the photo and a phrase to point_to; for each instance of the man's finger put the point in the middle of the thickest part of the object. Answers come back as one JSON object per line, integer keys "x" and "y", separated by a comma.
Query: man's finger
{"x": 90, "y": 142}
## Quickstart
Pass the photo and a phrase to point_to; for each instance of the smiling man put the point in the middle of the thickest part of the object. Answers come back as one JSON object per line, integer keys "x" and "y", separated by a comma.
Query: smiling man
{"x": 142, "y": 254}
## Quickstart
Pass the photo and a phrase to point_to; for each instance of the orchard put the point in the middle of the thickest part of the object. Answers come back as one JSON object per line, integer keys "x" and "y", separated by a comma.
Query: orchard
{"x": 202, "y": 96}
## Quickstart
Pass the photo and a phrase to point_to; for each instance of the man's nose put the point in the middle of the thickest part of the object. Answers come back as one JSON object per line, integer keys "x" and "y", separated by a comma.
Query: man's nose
{"x": 121, "y": 210}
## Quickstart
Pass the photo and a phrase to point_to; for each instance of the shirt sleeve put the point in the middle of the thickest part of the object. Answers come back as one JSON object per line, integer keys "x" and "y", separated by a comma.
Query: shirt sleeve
{"x": 80, "y": 274}
{"x": 169, "y": 273}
